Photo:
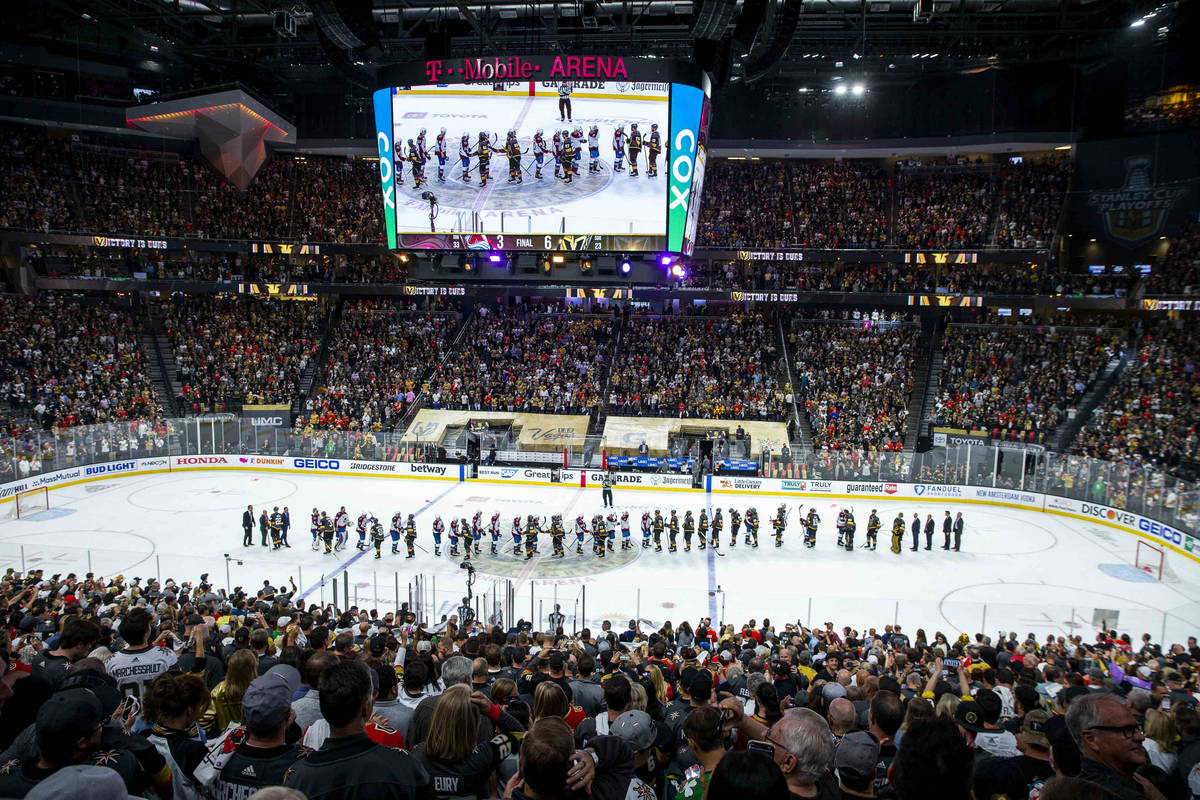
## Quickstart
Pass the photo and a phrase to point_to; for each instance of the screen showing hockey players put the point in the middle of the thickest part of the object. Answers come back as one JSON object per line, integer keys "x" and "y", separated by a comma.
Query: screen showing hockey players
{"x": 530, "y": 160}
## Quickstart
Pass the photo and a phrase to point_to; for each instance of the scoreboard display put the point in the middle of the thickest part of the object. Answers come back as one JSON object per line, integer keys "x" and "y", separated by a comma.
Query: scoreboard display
{"x": 555, "y": 153}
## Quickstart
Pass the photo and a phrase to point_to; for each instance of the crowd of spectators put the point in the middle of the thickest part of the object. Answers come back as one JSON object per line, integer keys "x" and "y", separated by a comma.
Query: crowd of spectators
{"x": 746, "y": 204}
{"x": 855, "y": 381}
{"x": 1018, "y": 382}
{"x": 540, "y": 363}
{"x": 1179, "y": 271}
{"x": 726, "y": 367}
{"x": 118, "y": 687}
{"x": 136, "y": 193}
{"x": 69, "y": 362}
{"x": 232, "y": 350}
{"x": 844, "y": 276}
{"x": 379, "y": 360}
{"x": 1152, "y": 415}
{"x": 839, "y": 205}
{"x": 951, "y": 210}
{"x": 1032, "y": 198}
{"x": 35, "y": 194}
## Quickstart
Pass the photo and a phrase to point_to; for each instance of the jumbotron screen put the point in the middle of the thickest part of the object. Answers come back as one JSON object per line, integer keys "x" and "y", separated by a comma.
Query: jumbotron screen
{"x": 558, "y": 164}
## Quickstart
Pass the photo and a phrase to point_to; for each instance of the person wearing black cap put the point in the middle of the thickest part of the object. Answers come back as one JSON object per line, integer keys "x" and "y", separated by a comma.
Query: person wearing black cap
{"x": 69, "y": 726}
{"x": 257, "y": 754}
{"x": 855, "y": 760}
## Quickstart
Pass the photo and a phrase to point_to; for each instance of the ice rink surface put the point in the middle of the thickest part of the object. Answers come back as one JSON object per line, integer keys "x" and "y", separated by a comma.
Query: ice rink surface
{"x": 606, "y": 202}
{"x": 1019, "y": 570}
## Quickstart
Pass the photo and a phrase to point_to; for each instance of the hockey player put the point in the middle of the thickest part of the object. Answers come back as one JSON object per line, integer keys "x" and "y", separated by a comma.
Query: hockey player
{"x": 395, "y": 530}
{"x": 702, "y": 528}
{"x": 653, "y": 148}
{"x": 464, "y": 530}
{"x": 464, "y": 157}
{"x": 516, "y": 534}
{"x": 557, "y": 532}
{"x": 810, "y": 528}
{"x": 316, "y": 530}
{"x": 362, "y": 531}
{"x": 410, "y": 535}
{"x": 477, "y": 530}
{"x": 557, "y": 144}
{"x": 635, "y": 149}
{"x": 532, "y": 529}
{"x": 275, "y": 525}
{"x": 438, "y": 528}
{"x": 718, "y": 522}
{"x": 580, "y": 532}
{"x": 512, "y": 148}
{"x": 599, "y": 535}
{"x": 593, "y": 140}
{"x": 568, "y": 157}
{"x": 494, "y": 531}
{"x": 421, "y": 148}
{"x": 418, "y": 164}
{"x": 377, "y": 537}
{"x": 873, "y": 526}
{"x": 564, "y": 101}
{"x": 611, "y": 528}
{"x": 327, "y": 532}
{"x": 658, "y": 529}
{"x": 618, "y": 145}
{"x": 439, "y": 150}
{"x": 646, "y": 518}
{"x": 577, "y": 140}
{"x": 625, "y": 543}
{"x": 672, "y": 530}
{"x": 735, "y": 522}
{"x": 483, "y": 152}
{"x": 780, "y": 525}
{"x": 454, "y": 537}
{"x": 539, "y": 154}
{"x": 341, "y": 522}
{"x": 689, "y": 527}
{"x": 752, "y": 526}
{"x": 897, "y": 532}
{"x": 851, "y": 526}
{"x": 841, "y": 526}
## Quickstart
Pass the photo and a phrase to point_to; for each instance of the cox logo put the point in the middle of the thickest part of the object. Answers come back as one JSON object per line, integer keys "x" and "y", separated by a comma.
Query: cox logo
{"x": 316, "y": 463}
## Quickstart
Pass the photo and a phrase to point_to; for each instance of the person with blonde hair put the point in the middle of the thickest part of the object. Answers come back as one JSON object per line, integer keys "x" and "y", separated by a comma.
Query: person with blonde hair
{"x": 638, "y": 697}
{"x": 660, "y": 685}
{"x": 1162, "y": 738}
{"x": 226, "y": 705}
{"x": 947, "y": 704}
{"x": 461, "y": 765}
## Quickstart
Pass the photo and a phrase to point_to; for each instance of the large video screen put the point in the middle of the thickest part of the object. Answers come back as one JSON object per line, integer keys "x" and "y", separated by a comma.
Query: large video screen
{"x": 542, "y": 165}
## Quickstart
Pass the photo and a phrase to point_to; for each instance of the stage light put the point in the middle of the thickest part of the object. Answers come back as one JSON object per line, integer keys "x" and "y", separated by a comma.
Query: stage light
{"x": 556, "y": 258}
{"x": 839, "y": 89}
{"x": 625, "y": 266}
{"x": 495, "y": 258}
{"x": 404, "y": 258}
{"x": 858, "y": 89}
{"x": 677, "y": 271}
{"x": 665, "y": 260}
{"x": 585, "y": 265}
{"x": 545, "y": 265}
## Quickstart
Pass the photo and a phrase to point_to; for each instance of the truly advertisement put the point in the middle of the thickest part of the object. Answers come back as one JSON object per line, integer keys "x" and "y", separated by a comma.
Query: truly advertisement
{"x": 387, "y": 160}
{"x": 687, "y": 102}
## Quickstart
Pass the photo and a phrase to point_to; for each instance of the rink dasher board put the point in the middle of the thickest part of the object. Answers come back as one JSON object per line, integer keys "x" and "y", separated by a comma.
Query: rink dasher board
{"x": 1147, "y": 528}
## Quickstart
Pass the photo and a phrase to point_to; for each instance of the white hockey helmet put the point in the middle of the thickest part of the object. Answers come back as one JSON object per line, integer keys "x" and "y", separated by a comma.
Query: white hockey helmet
{"x": 422, "y": 132}
{"x": 539, "y": 132}
{"x": 443, "y": 132}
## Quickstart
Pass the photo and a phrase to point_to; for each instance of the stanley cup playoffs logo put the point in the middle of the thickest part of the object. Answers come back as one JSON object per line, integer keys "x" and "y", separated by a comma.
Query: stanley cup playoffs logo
{"x": 1138, "y": 209}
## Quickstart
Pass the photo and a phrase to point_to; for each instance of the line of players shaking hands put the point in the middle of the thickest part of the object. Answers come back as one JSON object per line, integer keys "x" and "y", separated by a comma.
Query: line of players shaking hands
{"x": 566, "y": 150}
{"x": 603, "y": 531}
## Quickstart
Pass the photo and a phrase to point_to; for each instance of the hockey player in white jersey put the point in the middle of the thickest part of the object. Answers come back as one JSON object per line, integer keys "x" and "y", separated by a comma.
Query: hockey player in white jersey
{"x": 341, "y": 522}
{"x": 421, "y": 145}
{"x": 439, "y": 150}
{"x": 593, "y": 140}
{"x": 625, "y": 543}
{"x": 362, "y": 531}
{"x": 558, "y": 154}
{"x": 580, "y": 533}
{"x": 540, "y": 150}
{"x": 577, "y": 139}
{"x": 618, "y": 145}
{"x": 395, "y": 531}
{"x": 464, "y": 156}
{"x": 516, "y": 534}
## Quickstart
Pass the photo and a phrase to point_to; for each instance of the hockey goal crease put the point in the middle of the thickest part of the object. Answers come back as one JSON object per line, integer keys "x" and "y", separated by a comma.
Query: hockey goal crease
{"x": 30, "y": 501}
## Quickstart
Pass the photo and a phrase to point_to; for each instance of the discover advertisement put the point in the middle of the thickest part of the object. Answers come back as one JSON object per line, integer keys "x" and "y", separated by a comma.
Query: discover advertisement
{"x": 1152, "y": 529}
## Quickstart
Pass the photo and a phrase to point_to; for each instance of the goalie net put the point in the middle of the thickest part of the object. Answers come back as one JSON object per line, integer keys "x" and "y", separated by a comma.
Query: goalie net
{"x": 1150, "y": 559}
{"x": 30, "y": 502}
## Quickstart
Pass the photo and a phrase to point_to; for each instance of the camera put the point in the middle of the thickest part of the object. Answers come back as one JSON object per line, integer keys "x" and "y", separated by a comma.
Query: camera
{"x": 428, "y": 196}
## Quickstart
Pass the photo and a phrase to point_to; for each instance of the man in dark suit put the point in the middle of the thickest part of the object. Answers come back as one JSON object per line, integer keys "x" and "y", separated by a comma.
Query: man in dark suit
{"x": 958, "y": 528}
{"x": 916, "y": 533}
{"x": 930, "y": 525}
{"x": 287, "y": 523}
{"x": 947, "y": 527}
{"x": 248, "y": 527}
